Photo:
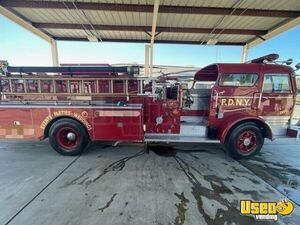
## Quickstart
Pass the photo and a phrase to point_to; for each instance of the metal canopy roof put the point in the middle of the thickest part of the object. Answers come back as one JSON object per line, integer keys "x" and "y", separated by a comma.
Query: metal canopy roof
{"x": 226, "y": 22}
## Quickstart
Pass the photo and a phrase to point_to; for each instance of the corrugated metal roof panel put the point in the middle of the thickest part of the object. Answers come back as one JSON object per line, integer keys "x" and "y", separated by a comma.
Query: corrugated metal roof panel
{"x": 254, "y": 4}
{"x": 233, "y": 38}
{"x": 164, "y": 19}
{"x": 64, "y": 33}
{"x": 271, "y": 4}
{"x": 145, "y": 19}
{"x": 202, "y": 37}
{"x": 249, "y": 22}
{"x": 120, "y": 18}
{"x": 49, "y": 15}
{"x": 180, "y": 37}
{"x": 99, "y": 34}
{"x": 94, "y": 17}
{"x": 184, "y": 20}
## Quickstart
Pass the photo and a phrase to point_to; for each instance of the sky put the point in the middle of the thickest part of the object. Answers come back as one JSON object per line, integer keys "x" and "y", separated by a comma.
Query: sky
{"x": 22, "y": 48}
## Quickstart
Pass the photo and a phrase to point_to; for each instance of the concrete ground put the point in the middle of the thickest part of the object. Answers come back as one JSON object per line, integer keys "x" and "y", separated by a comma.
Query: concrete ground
{"x": 126, "y": 185}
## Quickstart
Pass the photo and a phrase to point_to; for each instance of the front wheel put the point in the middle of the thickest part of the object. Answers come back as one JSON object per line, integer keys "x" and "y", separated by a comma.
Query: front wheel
{"x": 244, "y": 141}
{"x": 68, "y": 137}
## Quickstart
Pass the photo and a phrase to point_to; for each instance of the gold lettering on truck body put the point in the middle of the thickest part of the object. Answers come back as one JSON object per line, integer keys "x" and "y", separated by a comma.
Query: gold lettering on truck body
{"x": 244, "y": 102}
{"x": 81, "y": 117}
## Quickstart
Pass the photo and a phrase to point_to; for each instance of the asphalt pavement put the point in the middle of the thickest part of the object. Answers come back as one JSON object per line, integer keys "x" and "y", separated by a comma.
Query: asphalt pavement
{"x": 133, "y": 184}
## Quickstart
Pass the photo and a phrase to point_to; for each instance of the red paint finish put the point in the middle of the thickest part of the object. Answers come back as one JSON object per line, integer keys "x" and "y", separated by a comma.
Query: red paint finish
{"x": 169, "y": 111}
{"x": 124, "y": 118}
{"x": 16, "y": 123}
{"x": 115, "y": 123}
{"x": 231, "y": 121}
{"x": 292, "y": 133}
{"x": 42, "y": 117}
{"x": 118, "y": 124}
{"x": 208, "y": 73}
{"x": 230, "y": 105}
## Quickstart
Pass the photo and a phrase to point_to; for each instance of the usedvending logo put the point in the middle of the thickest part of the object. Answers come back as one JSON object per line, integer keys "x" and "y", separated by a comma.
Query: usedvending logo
{"x": 266, "y": 210}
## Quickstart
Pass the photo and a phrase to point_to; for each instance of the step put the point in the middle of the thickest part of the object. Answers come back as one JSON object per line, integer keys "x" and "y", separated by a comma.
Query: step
{"x": 194, "y": 119}
{"x": 193, "y": 129}
{"x": 149, "y": 137}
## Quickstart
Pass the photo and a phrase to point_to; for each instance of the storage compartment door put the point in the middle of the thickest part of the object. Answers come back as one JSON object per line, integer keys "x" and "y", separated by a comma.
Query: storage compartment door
{"x": 118, "y": 124}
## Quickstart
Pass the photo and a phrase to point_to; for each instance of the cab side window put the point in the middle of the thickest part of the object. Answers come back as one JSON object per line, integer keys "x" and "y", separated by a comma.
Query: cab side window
{"x": 276, "y": 83}
{"x": 238, "y": 80}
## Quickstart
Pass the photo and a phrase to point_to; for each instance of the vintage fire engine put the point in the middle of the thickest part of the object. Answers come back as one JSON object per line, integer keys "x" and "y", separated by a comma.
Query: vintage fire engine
{"x": 238, "y": 105}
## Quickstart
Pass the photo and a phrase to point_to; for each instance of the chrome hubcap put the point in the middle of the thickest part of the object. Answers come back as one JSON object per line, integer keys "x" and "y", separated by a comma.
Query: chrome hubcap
{"x": 71, "y": 136}
{"x": 247, "y": 141}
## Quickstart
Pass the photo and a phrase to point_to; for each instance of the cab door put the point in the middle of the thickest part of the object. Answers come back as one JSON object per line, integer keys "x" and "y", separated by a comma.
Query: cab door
{"x": 277, "y": 101}
{"x": 235, "y": 94}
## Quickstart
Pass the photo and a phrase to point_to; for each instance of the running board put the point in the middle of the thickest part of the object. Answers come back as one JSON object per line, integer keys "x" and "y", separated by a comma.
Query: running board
{"x": 177, "y": 138}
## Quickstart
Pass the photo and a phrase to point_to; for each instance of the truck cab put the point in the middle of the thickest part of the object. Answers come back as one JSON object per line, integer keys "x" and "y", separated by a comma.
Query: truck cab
{"x": 239, "y": 105}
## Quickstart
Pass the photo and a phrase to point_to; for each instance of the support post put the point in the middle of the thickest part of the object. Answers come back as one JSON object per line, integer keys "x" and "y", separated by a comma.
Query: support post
{"x": 153, "y": 33}
{"x": 147, "y": 59}
{"x": 151, "y": 59}
{"x": 244, "y": 53}
{"x": 54, "y": 53}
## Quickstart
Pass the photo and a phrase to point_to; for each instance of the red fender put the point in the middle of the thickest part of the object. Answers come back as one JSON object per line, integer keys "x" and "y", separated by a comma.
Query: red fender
{"x": 233, "y": 120}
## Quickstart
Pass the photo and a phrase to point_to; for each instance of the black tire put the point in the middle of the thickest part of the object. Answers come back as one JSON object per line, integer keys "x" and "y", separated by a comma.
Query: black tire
{"x": 244, "y": 141}
{"x": 59, "y": 141}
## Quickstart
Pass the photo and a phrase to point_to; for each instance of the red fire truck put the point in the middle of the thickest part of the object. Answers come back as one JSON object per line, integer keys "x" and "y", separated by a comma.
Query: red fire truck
{"x": 238, "y": 105}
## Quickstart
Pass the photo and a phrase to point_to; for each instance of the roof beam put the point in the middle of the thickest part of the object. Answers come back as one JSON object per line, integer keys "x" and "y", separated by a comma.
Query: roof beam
{"x": 28, "y": 26}
{"x": 149, "y": 8}
{"x": 147, "y": 41}
{"x": 148, "y": 29}
{"x": 274, "y": 32}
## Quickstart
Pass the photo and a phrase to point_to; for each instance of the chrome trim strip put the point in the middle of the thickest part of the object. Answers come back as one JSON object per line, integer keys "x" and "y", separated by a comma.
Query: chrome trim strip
{"x": 69, "y": 106}
{"x": 214, "y": 96}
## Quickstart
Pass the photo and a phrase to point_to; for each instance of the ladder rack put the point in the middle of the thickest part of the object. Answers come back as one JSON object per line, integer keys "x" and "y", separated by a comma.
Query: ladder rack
{"x": 48, "y": 87}
{"x": 70, "y": 70}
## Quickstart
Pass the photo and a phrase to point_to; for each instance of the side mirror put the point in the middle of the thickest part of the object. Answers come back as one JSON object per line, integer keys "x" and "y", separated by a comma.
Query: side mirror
{"x": 289, "y": 62}
{"x": 297, "y": 66}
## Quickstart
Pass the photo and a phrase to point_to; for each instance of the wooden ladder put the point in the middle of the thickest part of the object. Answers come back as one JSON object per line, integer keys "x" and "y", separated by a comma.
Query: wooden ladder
{"x": 75, "y": 88}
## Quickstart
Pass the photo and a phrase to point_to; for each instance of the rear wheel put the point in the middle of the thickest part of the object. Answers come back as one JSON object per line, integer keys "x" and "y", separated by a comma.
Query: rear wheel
{"x": 68, "y": 137}
{"x": 244, "y": 141}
